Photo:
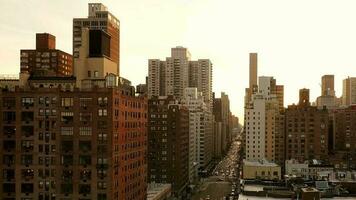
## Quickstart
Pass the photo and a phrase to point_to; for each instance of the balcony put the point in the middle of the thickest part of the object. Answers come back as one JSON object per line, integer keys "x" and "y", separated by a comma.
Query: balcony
{"x": 9, "y": 145}
{"x": 8, "y": 187}
{"x": 9, "y": 102}
{"x": 9, "y": 160}
{"x": 85, "y": 175}
{"x": 85, "y": 160}
{"x": 67, "y": 160}
{"x": 9, "y": 174}
{"x": 27, "y": 174}
{"x": 26, "y": 160}
{"x": 27, "y": 188}
{"x": 27, "y": 117}
{"x": 27, "y": 131}
{"x": 9, "y": 131}
{"x": 67, "y": 175}
{"x": 26, "y": 146}
{"x": 85, "y": 146}
{"x": 67, "y": 146}
{"x": 9, "y": 117}
{"x": 84, "y": 189}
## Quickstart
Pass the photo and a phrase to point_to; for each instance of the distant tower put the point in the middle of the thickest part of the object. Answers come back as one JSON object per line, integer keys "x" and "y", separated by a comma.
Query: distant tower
{"x": 304, "y": 97}
{"x": 327, "y": 85}
{"x": 253, "y": 70}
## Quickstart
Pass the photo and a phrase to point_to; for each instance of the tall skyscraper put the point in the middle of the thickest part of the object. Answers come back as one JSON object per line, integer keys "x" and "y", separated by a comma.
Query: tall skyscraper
{"x": 102, "y": 44}
{"x": 46, "y": 60}
{"x": 253, "y": 70}
{"x": 200, "y": 133}
{"x": 172, "y": 76}
{"x": 349, "y": 91}
{"x": 327, "y": 85}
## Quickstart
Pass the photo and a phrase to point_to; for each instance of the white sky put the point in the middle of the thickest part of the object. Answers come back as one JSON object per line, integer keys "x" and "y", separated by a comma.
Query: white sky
{"x": 297, "y": 41}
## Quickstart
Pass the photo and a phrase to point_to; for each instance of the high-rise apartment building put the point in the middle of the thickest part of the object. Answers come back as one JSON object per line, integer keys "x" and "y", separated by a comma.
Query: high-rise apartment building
{"x": 168, "y": 143}
{"x": 96, "y": 43}
{"x": 261, "y": 116}
{"x": 344, "y": 137}
{"x": 200, "y": 132}
{"x": 349, "y": 91}
{"x": 46, "y": 60}
{"x": 73, "y": 144}
{"x": 306, "y": 130}
{"x": 172, "y": 76}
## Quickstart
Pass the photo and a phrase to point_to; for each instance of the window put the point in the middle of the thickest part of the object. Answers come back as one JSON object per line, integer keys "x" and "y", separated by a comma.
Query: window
{"x": 85, "y": 131}
{"x": 85, "y": 117}
{"x": 66, "y": 102}
{"x": 89, "y": 74}
{"x": 102, "y": 185}
{"x": 27, "y": 101}
{"x": 67, "y": 117}
{"x": 102, "y": 112}
{"x": 66, "y": 130}
{"x": 84, "y": 102}
{"x": 96, "y": 74}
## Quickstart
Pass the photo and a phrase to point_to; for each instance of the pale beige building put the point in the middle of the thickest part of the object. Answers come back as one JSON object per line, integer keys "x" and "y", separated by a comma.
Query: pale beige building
{"x": 261, "y": 169}
{"x": 349, "y": 91}
{"x": 90, "y": 67}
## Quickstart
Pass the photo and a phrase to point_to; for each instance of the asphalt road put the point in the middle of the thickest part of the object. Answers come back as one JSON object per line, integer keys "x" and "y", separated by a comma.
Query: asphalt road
{"x": 220, "y": 184}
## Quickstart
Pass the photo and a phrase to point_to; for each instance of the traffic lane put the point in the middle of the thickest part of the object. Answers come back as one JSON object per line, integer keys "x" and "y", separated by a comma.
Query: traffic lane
{"x": 214, "y": 190}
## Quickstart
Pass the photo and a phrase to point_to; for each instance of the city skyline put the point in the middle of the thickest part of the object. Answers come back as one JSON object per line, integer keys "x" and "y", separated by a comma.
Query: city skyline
{"x": 290, "y": 44}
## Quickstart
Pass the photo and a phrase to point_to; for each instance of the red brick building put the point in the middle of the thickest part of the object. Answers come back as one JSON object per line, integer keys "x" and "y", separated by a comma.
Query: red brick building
{"x": 79, "y": 144}
{"x": 46, "y": 60}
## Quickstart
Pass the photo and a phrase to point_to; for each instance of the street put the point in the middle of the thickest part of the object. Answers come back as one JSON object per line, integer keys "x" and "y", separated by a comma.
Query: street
{"x": 222, "y": 182}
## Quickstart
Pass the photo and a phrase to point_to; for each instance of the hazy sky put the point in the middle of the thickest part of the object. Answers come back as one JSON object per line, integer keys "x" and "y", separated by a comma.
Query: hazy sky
{"x": 297, "y": 41}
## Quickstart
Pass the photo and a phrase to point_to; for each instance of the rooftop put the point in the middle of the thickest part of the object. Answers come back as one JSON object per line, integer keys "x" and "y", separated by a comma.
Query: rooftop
{"x": 261, "y": 163}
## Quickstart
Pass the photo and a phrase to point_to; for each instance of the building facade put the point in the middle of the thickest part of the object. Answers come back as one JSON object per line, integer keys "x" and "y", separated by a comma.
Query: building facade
{"x": 73, "y": 144}
{"x": 349, "y": 91}
{"x": 46, "y": 60}
{"x": 104, "y": 43}
{"x": 168, "y": 143}
{"x": 306, "y": 130}
{"x": 172, "y": 76}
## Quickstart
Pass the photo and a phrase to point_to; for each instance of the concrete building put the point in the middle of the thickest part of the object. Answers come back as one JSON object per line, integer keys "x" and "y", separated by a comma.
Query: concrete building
{"x": 96, "y": 44}
{"x": 69, "y": 143}
{"x": 172, "y": 76}
{"x": 263, "y": 122}
{"x": 200, "y": 133}
{"x": 168, "y": 143}
{"x": 306, "y": 130}
{"x": 46, "y": 60}
{"x": 349, "y": 91}
{"x": 261, "y": 169}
